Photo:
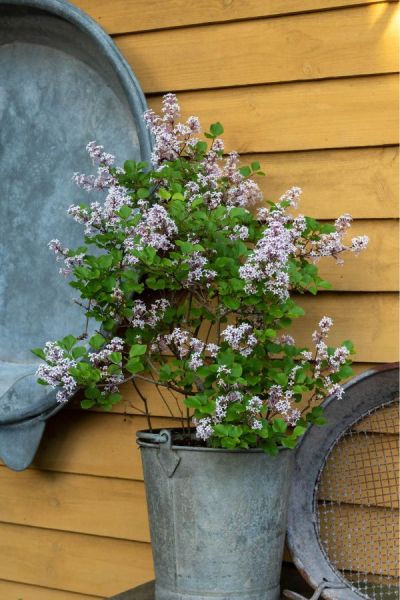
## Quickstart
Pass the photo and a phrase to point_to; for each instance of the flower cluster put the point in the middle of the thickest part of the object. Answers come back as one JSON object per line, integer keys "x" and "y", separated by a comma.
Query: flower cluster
{"x": 189, "y": 276}
{"x": 198, "y": 272}
{"x": 143, "y": 315}
{"x": 240, "y": 338}
{"x": 56, "y": 372}
{"x": 171, "y": 138}
{"x": 332, "y": 244}
{"x": 185, "y": 346}
{"x": 327, "y": 364}
{"x": 253, "y": 407}
{"x": 268, "y": 263}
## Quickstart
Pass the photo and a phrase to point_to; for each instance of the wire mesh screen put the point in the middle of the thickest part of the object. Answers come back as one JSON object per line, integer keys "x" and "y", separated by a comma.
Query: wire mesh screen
{"x": 357, "y": 505}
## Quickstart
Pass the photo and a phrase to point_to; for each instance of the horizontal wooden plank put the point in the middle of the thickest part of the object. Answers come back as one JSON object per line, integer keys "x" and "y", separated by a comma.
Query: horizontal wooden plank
{"x": 357, "y": 41}
{"x": 335, "y": 113}
{"x": 376, "y": 269}
{"x": 94, "y": 444}
{"x": 369, "y": 320}
{"x": 93, "y": 505}
{"x": 14, "y": 590}
{"x": 371, "y": 474}
{"x": 121, "y": 16}
{"x": 72, "y": 562}
{"x": 363, "y": 182}
{"x": 370, "y": 542}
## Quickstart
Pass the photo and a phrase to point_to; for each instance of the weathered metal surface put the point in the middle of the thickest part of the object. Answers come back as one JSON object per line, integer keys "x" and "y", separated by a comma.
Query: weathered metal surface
{"x": 63, "y": 83}
{"x": 217, "y": 522}
{"x": 362, "y": 394}
{"x": 289, "y": 578}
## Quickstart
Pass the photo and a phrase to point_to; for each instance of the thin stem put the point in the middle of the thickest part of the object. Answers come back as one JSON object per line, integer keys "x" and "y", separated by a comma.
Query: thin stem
{"x": 169, "y": 386}
{"x": 163, "y": 397}
{"x": 144, "y": 400}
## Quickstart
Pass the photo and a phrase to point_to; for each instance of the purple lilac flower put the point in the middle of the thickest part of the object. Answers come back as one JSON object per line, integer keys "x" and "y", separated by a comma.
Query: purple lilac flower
{"x": 197, "y": 270}
{"x": 240, "y": 232}
{"x": 155, "y": 229}
{"x": 240, "y": 338}
{"x": 292, "y": 196}
{"x": 98, "y": 156}
{"x": 285, "y": 339}
{"x": 254, "y": 405}
{"x": 204, "y": 428}
{"x": 268, "y": 262}
{"x": 359, "y": 243}
{"x": 170, "y": 138}
{"x": 332, "y": 244}
{"x": 56, "y": 373}
{"x": 338, "y": 358}
{"x": 103, "y": 356}
{"x": 281, "y": 402}
{"x": 151, "y": 316}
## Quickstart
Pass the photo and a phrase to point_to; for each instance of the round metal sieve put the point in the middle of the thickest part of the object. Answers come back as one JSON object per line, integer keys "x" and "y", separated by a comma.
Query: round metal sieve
{"x": 344, "y": 510}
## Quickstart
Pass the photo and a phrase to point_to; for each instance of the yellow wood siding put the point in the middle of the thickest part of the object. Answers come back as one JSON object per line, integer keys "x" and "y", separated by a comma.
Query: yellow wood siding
{"x": 289, "y": 48}
{"x": 309, "y": 89}
{"x": 140, "y": 15}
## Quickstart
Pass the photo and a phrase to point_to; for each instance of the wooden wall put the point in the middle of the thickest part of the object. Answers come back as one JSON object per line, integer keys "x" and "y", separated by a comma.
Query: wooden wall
{"x": 308, "y": 88}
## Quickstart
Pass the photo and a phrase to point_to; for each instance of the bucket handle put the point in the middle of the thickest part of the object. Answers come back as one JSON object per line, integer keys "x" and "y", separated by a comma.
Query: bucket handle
{"x": 168, "y": 458}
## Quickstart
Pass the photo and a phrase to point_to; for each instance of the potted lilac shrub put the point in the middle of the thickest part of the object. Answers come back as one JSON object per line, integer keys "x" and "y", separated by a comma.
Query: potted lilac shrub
{"x": 192, "y": 280}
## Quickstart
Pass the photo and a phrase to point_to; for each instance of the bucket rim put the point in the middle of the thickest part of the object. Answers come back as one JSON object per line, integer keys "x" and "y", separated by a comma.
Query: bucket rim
{"x": 142, "y": 443}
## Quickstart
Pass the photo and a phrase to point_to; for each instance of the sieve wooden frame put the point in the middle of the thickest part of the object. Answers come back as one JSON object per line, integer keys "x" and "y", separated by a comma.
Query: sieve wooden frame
{"x": 369, "y": 391}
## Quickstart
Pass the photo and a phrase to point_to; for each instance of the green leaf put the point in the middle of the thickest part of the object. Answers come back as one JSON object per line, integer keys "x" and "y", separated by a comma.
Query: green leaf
{"x": 228, "y": 442}
{"x": 115, "y": 398}
{"x": 201, "y": 147}
{"x": 78, "y": 352}
{"x": 289, "y": 442}
{"x": 232, "y": 303}
{"x": 245, "y": 171}
{"x": 129, "y": 166}
{"x": 138, "y": 350}
{"x": 97, "y": 341}
{"x": 216, "y": 129}
{"x": 87, "y": 403}
{"x": 109, "y": 324}
{"x": 280, "y": 379}
{"x": 92, "y": 392}
{"x": 124, "y": 212}
{"x": 193, "y": 402}
{"x": 104, "y": 261}
{"x": 255, "y": 166}
{"x": 349, "y": 345}
{"x": 299, "y": 430}
{"x": 134, "y": 365}
{"x": 156, "y": 284}
{"x": 270, "y": 447}
{"x": 38, "y": 352}
{"x": 178, "y": 196}
{"x": 236, "y": 370}
{"x": 143, "y": 193}
{"x": 68, "y": 342}
{"x": 164, "y": 194}
{"x": 116, "y": 357}
{"x": 345, "y": 371}
{"x": 279, "y": 425}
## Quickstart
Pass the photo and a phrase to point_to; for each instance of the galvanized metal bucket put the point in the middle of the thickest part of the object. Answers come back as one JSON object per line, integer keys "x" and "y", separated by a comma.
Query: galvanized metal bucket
{"x": 217, "y": 519}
